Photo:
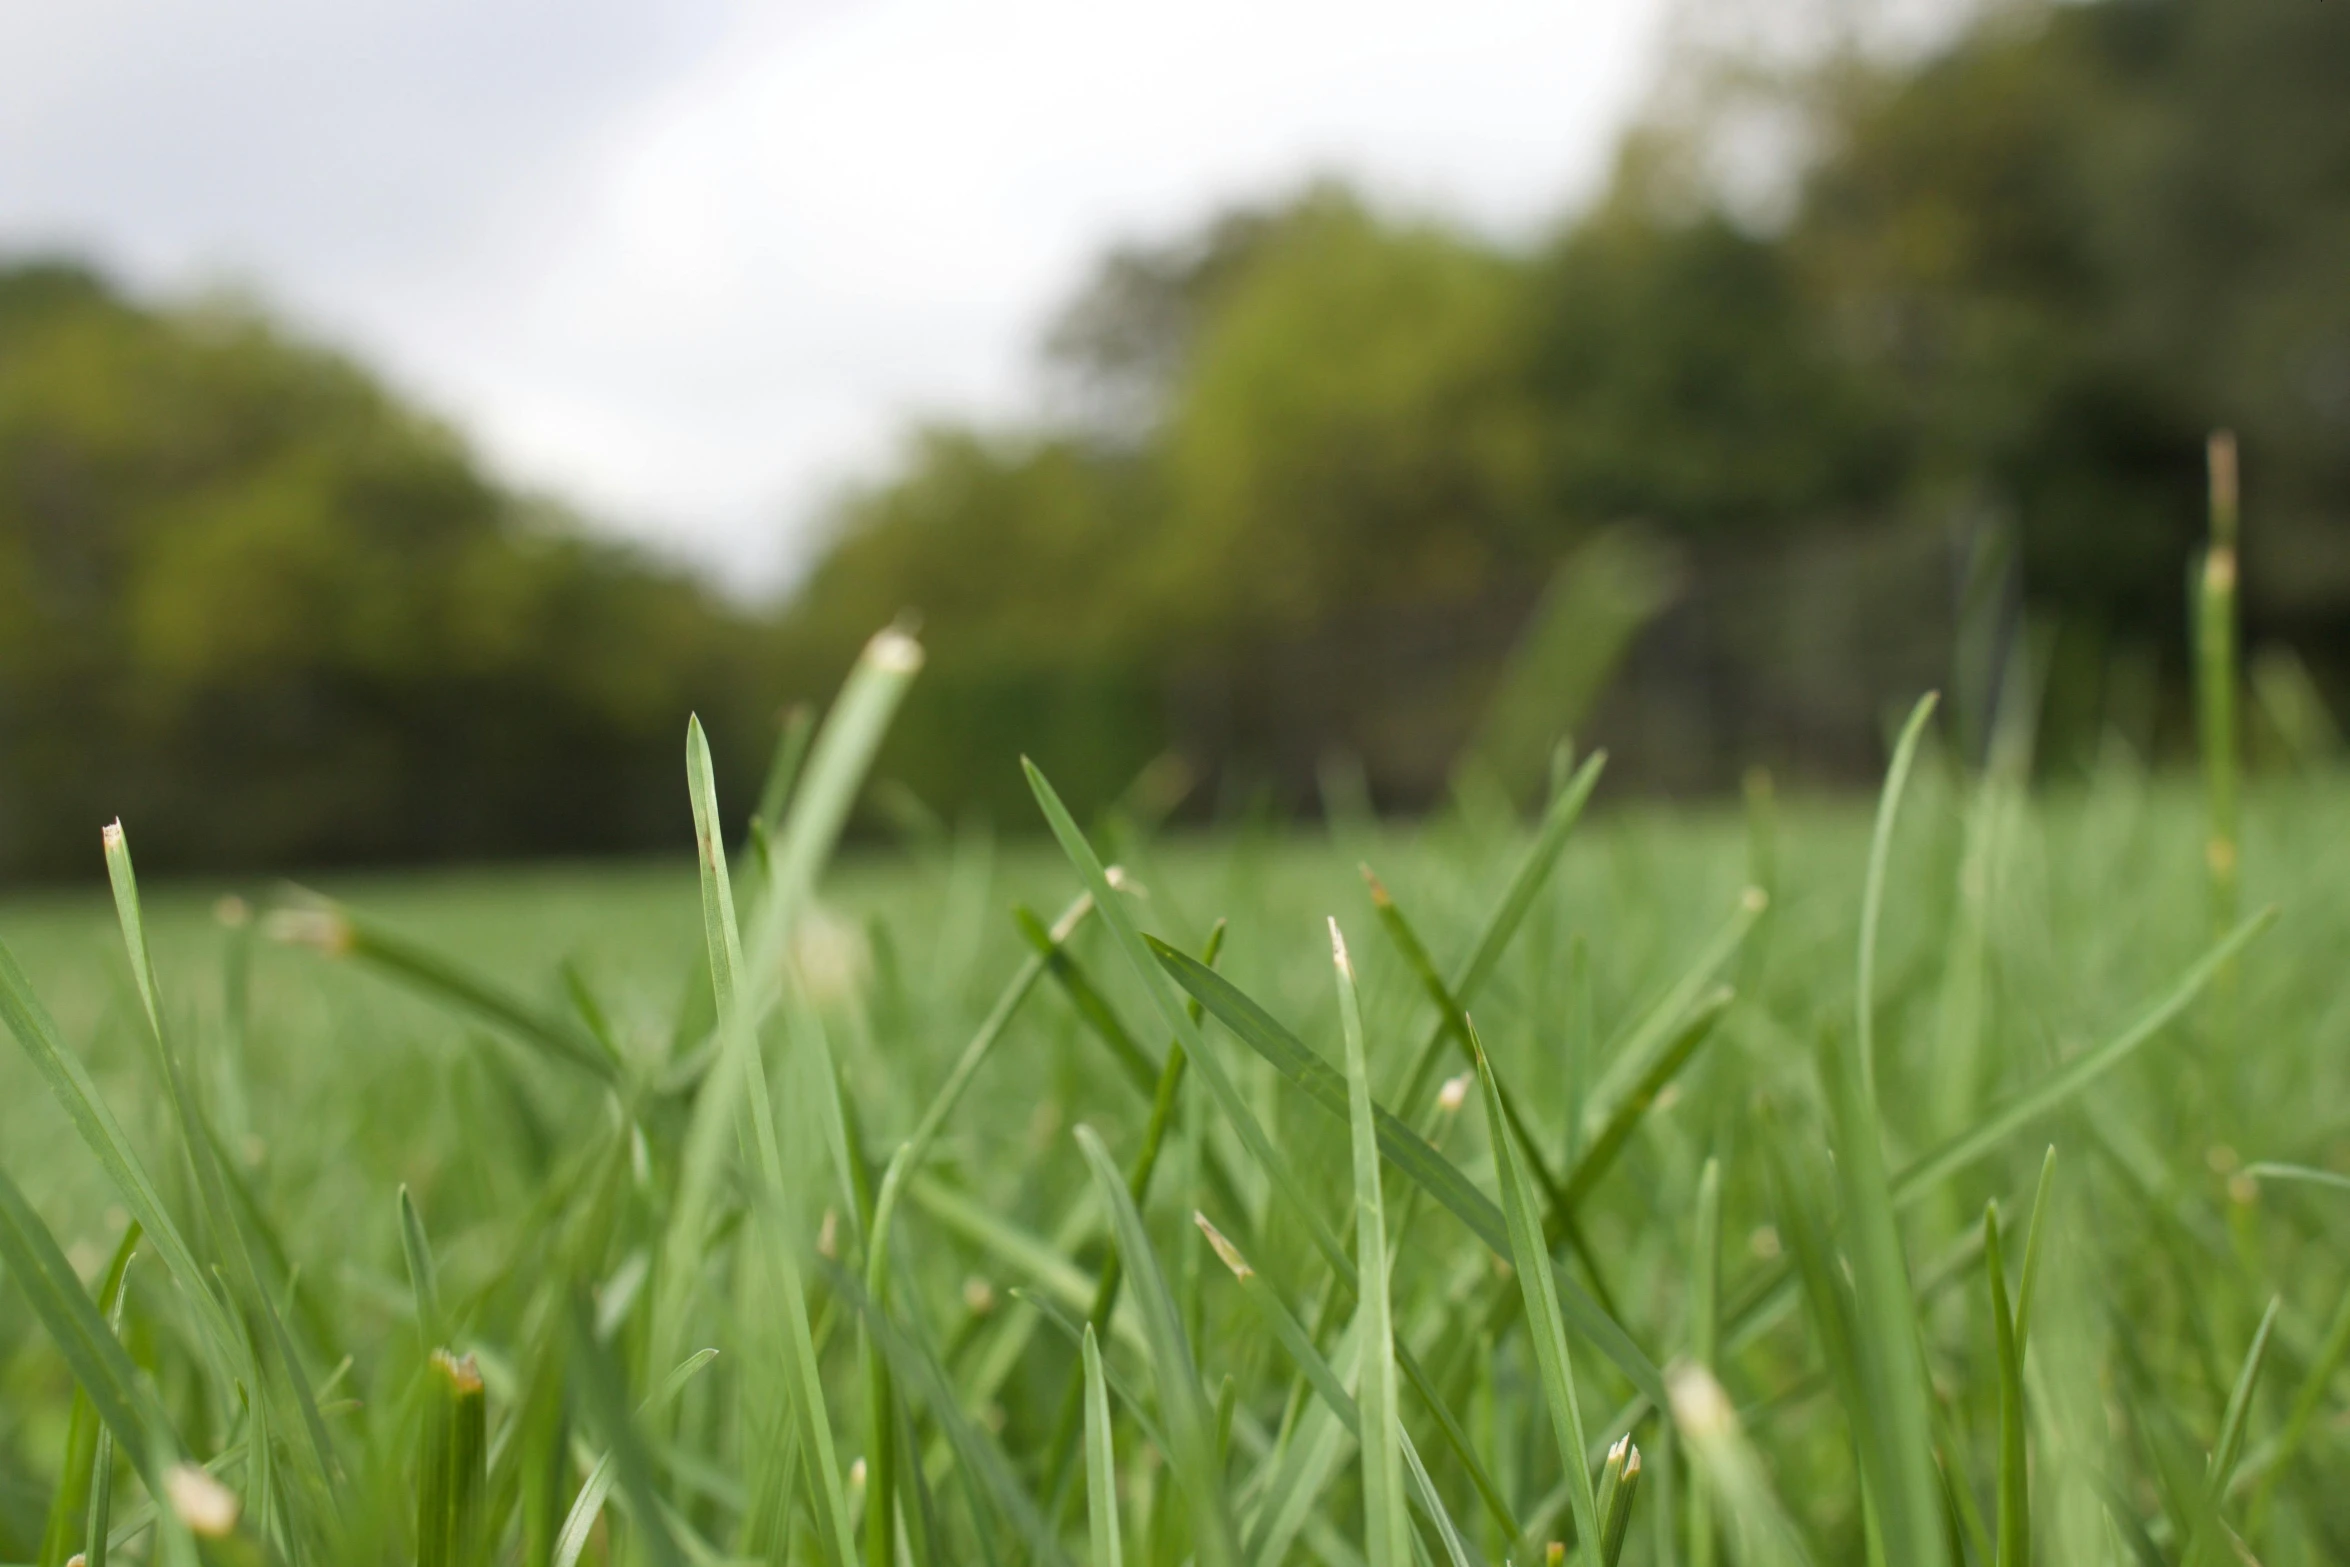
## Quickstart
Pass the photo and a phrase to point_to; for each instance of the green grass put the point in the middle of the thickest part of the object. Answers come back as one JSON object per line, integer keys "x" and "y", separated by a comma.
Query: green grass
{"x": 938, "y": 1184}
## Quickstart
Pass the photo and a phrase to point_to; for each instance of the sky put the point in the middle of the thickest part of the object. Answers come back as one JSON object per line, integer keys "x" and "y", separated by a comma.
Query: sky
{"x": 693, "y": 265}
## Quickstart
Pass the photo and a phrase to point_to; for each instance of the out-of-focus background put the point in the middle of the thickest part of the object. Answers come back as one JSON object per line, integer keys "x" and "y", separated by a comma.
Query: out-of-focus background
{"x": 409, "y": 412}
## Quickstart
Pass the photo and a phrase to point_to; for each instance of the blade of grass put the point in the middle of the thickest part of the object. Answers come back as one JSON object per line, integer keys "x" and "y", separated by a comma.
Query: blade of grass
{"x": 336, "y": 931}
{"x": 601, "y": 1390}
{"x": 422, "y": 1277}
{"x": 1406, "y": 1150}
{"x": 580, "y": 1521}
{"x": 1386, "y": 1531}
{"x": 1181, "y": 1407}
{"x": 69, "y": 1081}
{"x": 1705, "y": 1273}
{"x": 1544, "y": 1321}
{"x": 1092, "y": 1006}
{"x": 100, "y": 1366}
{"x": 89, "y": 1447}
{"x": 881, "y": 1467}
{"x": 738, "y": 1026}
{"x": 231, "y": 1234}
{"x": 453, "y": 1464}
{"x": 1235, "y": 1109}
{"x": 1101, "y": 1462}
{"x": 2075, "y": 1074}
{"x": 2015, "y": 1498}
{"x": 1872, "y": 898}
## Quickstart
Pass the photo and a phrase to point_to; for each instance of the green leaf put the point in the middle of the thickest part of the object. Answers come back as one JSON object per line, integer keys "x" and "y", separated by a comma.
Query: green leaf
{"x": 1386, "y": 1530}
{"x": 1101, "y": 1461}
{"x": 2015, "y": 1499}
{"x": 422, "y": 1277}
{"x": 1181, "y": 1407}
{"x": 1407, "y": 1150}
{"x": 1544, "y": 1321}
{"x": 100, "y": 1367}
{"x": 1228, "y": 1100}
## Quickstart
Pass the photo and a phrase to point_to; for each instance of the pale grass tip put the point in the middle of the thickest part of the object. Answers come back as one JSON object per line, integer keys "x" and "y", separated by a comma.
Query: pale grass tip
{"x": 1120, "y": 881}
{"x": 1631, "y": 1464}
{"x": 463, "y": 1371}
{"x": 1066, "y": 925}
{"x": 1754, "y": 900}
{"x": 828, "y": 1235}
{"x": 1228, "y": 1253}
{"x": 894, "y": 652}
{"x": 857, "y": 1474}
{"x": 1338, "y": 950}
{"x": 207, "y": 1507}
{"x": 321, "y": 929}
{"x": 232, "y": 911}
{"x": 1454, "y": 1093}
{"x": 111, "y": 835}
{"x": 978, "y": 1296}
{"x": 1700, "y": 1407}
{"x": 77, "y": 1559}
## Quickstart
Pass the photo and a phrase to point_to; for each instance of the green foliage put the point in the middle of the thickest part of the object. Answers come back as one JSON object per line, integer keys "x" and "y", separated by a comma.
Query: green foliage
{"x": 252, "y": 600}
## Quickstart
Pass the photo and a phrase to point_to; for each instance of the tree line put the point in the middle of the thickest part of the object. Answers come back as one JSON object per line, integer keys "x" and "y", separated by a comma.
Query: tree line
{"x": 1934, "y": 410}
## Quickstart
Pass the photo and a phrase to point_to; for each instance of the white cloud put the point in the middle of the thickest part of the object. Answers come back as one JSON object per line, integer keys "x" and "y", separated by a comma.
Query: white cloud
{"x": 692, "y": 265}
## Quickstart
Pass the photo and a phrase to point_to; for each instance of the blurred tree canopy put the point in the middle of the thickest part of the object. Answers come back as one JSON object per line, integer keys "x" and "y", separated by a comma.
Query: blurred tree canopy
{"x": 272, "y": 617}
{"x": 2011, "y": 287}
{"x": 1306, "y": 476}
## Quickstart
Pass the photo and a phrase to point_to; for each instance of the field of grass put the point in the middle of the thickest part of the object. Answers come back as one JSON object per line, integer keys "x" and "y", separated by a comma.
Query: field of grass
{"x": 1055, "y": 1246}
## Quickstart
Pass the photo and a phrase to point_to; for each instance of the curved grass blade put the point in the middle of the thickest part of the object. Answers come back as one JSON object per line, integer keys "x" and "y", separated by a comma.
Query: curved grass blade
{"x": 1181, "y": 1407}
{"x": 1092, "y": 1006}
{"x": 580, "y": 1521}
{"x": 601, "y": 1390}
{"x": 1101, "y": 1462}
{"x": 1187, "y": 1034}
{"x": 915, "y": 1367}
{"x": 881, "y": 1469}
{"x": 2075, "y": 1074}
{"x": 100, "y": 1366}
{"x": 2032, "y": 1236}
{"x": 1501, "y": 924}
{"x": 330, "y": 928}
{"x": 2228, "y": 1446}
{"x": 1407, "y": 1150}
{"x": 1324, "y": 1380}
{"x": 86, "y": 1482}
{"x": 69, "y": 1081}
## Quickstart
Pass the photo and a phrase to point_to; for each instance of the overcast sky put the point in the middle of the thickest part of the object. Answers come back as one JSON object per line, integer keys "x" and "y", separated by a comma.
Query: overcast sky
{"x": 692, "y": 263}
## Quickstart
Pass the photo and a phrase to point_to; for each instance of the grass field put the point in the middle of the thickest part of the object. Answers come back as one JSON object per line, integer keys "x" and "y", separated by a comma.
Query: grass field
{"x": 1766, "y": 1202}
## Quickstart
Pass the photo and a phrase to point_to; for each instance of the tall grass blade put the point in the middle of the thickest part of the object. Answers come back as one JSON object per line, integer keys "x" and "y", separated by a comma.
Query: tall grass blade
{"x": 2015, "y": 1499}
{"x": 1407, "y": 1150}
{"x": 452, "y": 1464}
{"x": 1181, "y": 1408}
{"x": 423, "y": 1278}
{"x": 1705, "y": 1310}
{"x": 1101, "y": 1462}
{"x": 1386, "y": 1530}
{"x": 1187, "y": 1034}
{"x": 738, "y": 1027}
{"x": 100, "y": 1366}
{"x": 1544, "y": 1321}
{"x": 1872, "y": 901}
